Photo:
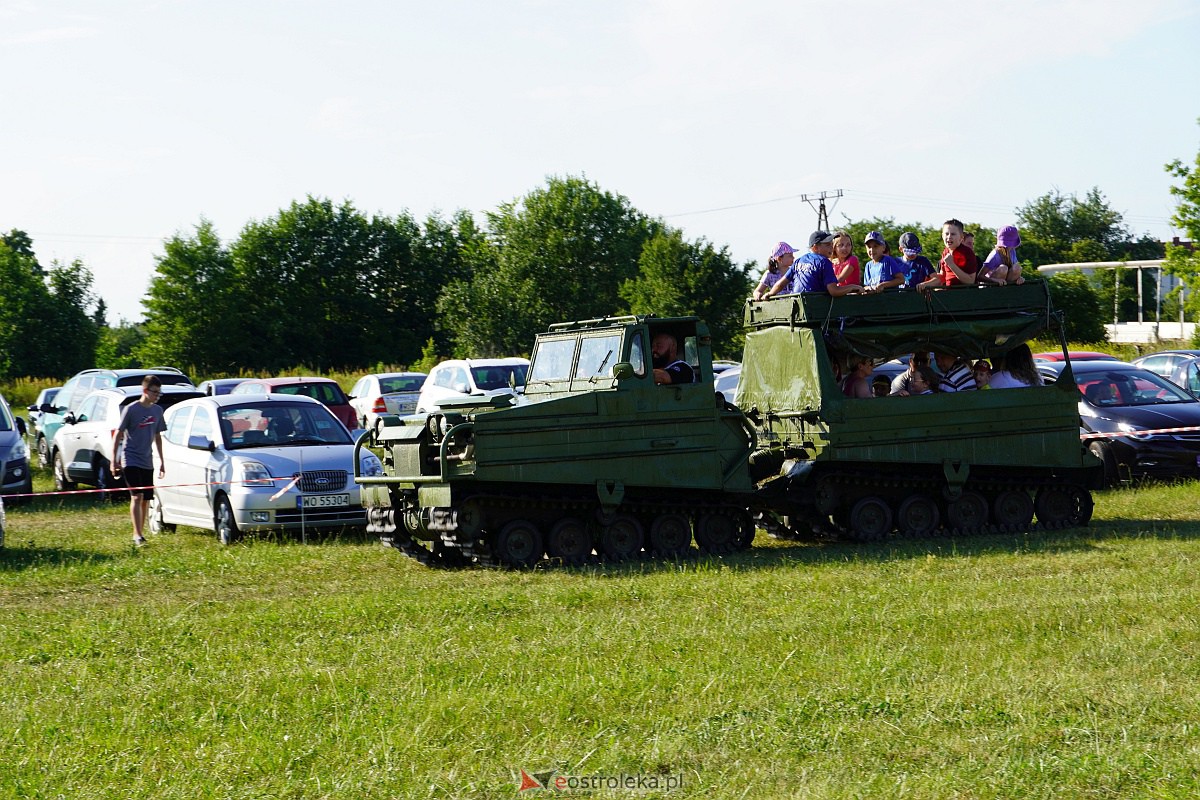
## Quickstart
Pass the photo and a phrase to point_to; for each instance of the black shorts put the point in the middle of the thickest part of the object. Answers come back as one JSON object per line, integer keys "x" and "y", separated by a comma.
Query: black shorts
{"x": 139, "y": 479}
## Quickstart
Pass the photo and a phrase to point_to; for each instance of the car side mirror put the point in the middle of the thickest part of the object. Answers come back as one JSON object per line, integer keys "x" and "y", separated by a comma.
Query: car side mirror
{"x": 622, "y": 370}
{"x": 69, "y": 419}
{"x": 21, "y": 429}
{"x": 200, "y": 443}
{"x": 462, "y": 388}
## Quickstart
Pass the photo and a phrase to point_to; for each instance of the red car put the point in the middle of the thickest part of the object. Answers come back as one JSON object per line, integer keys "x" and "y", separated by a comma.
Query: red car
{"x": 326, "y": 390}
{"x": 1076, "y": 355}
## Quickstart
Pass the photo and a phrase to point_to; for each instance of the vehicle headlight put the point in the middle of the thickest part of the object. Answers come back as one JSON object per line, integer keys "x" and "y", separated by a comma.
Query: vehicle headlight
{"x": 18, "y": 451}
{"x": 370, "y": 465}
{"x": 1130, "y": 431}
{"x": 255, "y": 474}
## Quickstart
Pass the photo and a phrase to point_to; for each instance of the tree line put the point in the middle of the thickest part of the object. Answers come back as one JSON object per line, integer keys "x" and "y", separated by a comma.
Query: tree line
{"x": 329, "y": 287}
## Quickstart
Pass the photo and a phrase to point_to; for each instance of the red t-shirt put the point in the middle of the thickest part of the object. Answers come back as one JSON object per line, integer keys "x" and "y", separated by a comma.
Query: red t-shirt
{"x": 964, "y": 259}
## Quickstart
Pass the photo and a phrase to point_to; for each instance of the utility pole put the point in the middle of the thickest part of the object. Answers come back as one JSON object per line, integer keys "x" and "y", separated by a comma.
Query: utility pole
{"x": 819, "y": 198}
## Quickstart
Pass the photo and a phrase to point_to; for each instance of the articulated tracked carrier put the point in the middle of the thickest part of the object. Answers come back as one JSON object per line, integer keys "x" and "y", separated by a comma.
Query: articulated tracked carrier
{"x": 599, "y": 461}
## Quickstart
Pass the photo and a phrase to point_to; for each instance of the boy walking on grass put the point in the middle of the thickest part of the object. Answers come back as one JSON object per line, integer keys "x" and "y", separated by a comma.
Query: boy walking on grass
{"x": 141, "y": 426}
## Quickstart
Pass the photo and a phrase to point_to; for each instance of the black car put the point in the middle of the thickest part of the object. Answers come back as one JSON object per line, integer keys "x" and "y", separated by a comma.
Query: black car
{"x": 1180, "y": 366}
{"x": 1138, "y": 423}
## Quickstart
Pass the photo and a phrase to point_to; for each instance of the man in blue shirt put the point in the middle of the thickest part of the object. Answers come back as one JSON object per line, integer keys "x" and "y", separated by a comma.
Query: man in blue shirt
{"x": 813, "y": 271}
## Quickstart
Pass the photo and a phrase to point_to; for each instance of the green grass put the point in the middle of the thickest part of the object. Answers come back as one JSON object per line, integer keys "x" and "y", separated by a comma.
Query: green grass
{"x": 1047, "y": 665}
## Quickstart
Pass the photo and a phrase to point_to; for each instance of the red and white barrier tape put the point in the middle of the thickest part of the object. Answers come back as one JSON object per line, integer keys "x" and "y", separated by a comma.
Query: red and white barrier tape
{"x": 293, "y": 482}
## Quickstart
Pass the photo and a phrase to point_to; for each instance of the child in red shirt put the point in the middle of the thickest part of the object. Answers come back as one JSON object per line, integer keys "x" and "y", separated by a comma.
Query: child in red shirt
{"x": 958, "y": 265}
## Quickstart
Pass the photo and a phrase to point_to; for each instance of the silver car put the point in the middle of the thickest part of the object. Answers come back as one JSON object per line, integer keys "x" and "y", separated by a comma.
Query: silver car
{"x": 244, "y": 462}
{"x": 385, "y": 393}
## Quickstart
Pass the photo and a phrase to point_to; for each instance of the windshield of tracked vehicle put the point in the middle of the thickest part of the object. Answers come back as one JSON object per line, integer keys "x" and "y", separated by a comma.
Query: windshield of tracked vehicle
{"x": 280, "y": 425}
{"x": 552, "y": 360}
{"x": 500, "y": 376}
{"x": 597, "y": 354}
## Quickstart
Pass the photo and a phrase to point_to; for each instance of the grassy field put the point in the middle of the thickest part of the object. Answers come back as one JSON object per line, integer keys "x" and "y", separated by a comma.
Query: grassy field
{"x": 1049, "y": 665}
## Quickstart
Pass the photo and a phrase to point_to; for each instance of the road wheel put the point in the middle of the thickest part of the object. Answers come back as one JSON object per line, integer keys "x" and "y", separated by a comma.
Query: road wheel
{"x": 918, "y": 516}
{"x": 569, "y": 542}
{"x": 519, "y": 544}
{"x": 622, "y": 538}
{"x": 1063, "y": 506}
{"x": 670, "y": 535}
{"x": 61, "y": 482}
{"x": 717, "y": 532}
{"x": 1104, "y": 452}
{"x": 157, "y": 525}
{"x": 1013, "y": 509}
{"x": 870, "y": 519}
{"x": 43, "y": 451}
{"x": 967, "y": 514}
{"x": 224, "y": 522}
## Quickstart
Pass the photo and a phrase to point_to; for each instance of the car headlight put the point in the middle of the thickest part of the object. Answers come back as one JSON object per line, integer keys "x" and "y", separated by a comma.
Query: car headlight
{"x": 370, "y": 465}
{"x": 1130, "y": 431}
{"x": 255, "y": 474}
{"x": 18, "y": 451}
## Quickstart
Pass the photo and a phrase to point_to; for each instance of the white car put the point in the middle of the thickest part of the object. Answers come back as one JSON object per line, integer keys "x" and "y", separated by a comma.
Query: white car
{"x": 244, "y": 462}
{"x": 385, "y": 393}
{"x": 478, "y": 377}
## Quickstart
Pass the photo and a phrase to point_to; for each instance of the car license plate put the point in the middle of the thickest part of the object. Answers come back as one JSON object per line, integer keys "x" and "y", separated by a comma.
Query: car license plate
{"x": 323, "y": 501}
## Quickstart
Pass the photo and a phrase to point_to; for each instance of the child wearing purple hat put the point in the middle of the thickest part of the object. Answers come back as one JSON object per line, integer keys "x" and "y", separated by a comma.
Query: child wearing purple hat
{"x": 781, "y": 258}
{"x": 1001, "y": 266}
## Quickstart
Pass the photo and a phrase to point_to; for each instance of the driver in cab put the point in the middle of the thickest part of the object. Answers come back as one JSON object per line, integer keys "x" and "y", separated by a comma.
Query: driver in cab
{"x": 668, "y": 366}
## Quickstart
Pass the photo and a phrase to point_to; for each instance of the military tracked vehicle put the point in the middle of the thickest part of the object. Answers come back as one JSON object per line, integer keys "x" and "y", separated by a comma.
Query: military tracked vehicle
{"x": 595, "y": 457}
{"x": 956, "y": 462}
{"x": 598, "y": 459}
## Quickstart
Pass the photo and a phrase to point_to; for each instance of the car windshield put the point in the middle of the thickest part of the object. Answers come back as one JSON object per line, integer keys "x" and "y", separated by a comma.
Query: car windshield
{"x": 279, "y": 425}
{"x": 1129, "y": 388}
{"x": 328, "y": 393}
{"x": 403, "y": 383}
{"x": 497, "y": 377}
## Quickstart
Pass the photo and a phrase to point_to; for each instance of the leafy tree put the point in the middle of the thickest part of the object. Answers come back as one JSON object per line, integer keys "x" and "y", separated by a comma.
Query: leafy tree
{"x": 24, "y": 307}
{"x": 192, "y": 307}
{"x": 1185, "y": 261}
{"x": 74, "y": 332}
{"x": 1060, "y": 228}
{"x": 678, "y": 278}
{"x": 118, "y": 347}
{"x": 1074, "y": 294}
{"x": 19, "y": 242}
{"x": 561, "y": 252}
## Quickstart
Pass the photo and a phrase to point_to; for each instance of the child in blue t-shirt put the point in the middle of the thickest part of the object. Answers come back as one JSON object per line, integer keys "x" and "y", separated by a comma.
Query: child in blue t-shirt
{"x": 882, "y": 271}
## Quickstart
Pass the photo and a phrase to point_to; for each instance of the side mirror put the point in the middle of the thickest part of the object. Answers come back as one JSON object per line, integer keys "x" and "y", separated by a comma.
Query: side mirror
{"x": 622, "y": 370}
{"x": 46, "y": 408}
{"x": 21, "y": 429}
{"x": 69, "y": 419}
{"x": 462, "y": 388}
{"x": 200, "y": 443}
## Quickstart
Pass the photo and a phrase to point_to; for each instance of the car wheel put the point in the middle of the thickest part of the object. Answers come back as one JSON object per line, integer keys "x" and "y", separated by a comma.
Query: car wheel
{"x": 61, "y": 482}
{"x": 43, "y": 451}
{"x": 224, "y": 521}
{"x": 157, "y": 524}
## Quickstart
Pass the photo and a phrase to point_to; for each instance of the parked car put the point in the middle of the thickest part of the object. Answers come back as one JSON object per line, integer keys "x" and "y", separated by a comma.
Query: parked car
{"x": 45, "y": 397}
{"x": 254, "y": 462}
{"x": 1180, "y": 366}
{"x": 81, "y": 385}
{"x": 219, "y": 385}
{"x": 81, "y": 451}
{"x": 727, "y": 382}
{"x": 481, "y": 377}
{"x": 1076, "y": 355}
{"x": 1123, "y": 403}
{"x": 325, "y": 390}
{"x": 721, "y": 366}
{"x": 385, "y": 393}
{"x": 15, "y": 474}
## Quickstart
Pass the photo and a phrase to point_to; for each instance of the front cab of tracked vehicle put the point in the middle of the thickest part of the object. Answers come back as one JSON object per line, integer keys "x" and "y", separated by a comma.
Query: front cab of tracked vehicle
{"x": 594, "y": 439}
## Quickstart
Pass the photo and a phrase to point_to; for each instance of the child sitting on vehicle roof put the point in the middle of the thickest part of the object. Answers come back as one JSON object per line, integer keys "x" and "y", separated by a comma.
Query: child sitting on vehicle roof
{"x": 883, "y": 271}
{"x": 1001, "y": 266}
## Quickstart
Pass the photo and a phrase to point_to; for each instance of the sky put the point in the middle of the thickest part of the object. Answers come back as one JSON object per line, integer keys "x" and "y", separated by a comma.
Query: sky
{"x": 127, "y": 122}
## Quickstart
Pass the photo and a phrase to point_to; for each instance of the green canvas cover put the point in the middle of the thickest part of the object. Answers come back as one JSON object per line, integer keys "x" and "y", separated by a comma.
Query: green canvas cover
{"x": 781, "y": 370}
